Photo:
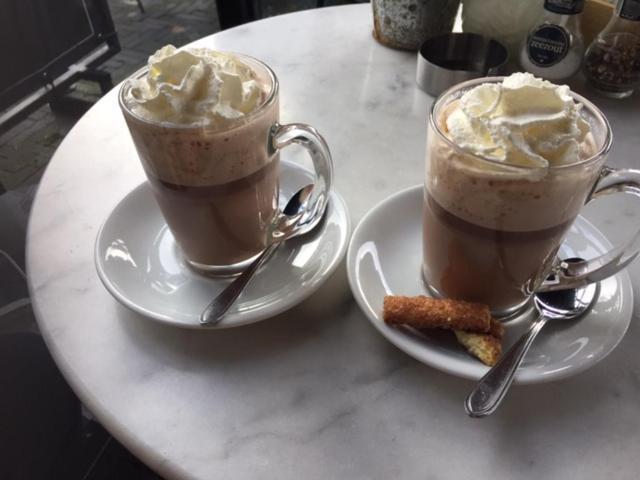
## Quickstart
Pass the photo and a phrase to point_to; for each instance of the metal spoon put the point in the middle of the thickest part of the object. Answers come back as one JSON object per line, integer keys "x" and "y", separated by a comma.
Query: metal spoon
{"x": 557, "y": 305}
{"x": 295, "y": 220}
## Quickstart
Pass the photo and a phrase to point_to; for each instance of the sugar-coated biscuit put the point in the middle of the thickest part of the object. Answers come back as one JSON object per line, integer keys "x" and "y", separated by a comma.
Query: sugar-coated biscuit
{"x": 425, "y": 312}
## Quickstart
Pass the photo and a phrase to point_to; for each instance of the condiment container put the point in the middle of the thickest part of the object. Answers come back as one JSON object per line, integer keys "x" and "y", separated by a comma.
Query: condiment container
{"x": 406, "y": 24}
{"x": 612, "y": 61}
{"x": 554, "y": 47}
{"x": 451, "y": 58}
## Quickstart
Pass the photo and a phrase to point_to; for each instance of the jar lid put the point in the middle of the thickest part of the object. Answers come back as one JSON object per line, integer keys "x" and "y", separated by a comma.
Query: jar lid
{"x": 629, "y": 10}
{"x": 564, "y": 7}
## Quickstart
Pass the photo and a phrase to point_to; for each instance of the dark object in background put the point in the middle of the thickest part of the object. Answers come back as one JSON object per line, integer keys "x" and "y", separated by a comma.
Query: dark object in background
{"x": 58, "y": 43}
{"x": 236, "y": 12}
{"x": 39, "y": 411}
{"x": 43, "y": 435}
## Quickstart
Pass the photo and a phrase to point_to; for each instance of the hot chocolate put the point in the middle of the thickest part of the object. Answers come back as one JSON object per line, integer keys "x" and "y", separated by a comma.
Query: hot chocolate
{"x": 200, "y": 121}
{"x": 502, "y": 188}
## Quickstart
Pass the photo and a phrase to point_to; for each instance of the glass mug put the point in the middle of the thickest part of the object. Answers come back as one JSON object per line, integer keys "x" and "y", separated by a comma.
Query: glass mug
{"x": 218, "y": 188}
{"x": 491, "y": 231}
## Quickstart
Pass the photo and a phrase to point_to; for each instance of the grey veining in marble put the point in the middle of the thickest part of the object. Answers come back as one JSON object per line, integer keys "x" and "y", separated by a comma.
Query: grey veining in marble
{"x": 315, "y": 393}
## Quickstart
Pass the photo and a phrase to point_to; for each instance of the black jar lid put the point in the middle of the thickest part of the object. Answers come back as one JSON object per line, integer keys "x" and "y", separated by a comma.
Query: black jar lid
{"x": 629, "y": 10}
{"x": 564, "y": 7}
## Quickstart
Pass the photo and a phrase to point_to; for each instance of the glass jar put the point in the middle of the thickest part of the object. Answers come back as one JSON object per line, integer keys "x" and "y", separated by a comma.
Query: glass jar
{"x": 612, "y": 61}
{"x": 406, "y": 24}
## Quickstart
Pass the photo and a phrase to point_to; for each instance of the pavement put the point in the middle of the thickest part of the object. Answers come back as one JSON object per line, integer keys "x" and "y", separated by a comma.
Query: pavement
{"x": 26, "y": 149}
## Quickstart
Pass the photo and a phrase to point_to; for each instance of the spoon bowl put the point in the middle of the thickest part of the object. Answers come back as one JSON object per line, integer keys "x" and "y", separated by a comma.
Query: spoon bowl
{"x": 296, "y": 218}
{"x": 557, "y": 306}
{"x": 566, "y": 304}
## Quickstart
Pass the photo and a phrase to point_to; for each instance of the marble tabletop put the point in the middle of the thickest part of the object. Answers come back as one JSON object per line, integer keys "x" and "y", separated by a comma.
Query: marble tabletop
{"x": 315, "y": 393}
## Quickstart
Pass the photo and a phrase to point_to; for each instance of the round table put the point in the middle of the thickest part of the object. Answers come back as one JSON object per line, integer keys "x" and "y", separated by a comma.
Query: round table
{"x": 315, "y": 393}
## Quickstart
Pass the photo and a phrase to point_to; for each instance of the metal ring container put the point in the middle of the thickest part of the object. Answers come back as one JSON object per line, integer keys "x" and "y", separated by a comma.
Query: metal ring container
{"x": 448, "y": 59}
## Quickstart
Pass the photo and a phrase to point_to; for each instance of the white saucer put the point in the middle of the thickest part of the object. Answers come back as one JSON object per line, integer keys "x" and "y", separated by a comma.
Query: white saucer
{"x": 384, "y": 258}
{"x": 139, "y": 263}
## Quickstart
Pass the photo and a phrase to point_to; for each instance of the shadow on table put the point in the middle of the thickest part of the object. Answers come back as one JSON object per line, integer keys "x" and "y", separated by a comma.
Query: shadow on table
{"x": 309, "y": 337}
{"x": 316, "y": 316}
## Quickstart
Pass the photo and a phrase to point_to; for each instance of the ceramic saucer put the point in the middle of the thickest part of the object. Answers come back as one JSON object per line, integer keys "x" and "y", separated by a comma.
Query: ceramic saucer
{"x": 141, "y": 266}
{"x": 384, "y": 258}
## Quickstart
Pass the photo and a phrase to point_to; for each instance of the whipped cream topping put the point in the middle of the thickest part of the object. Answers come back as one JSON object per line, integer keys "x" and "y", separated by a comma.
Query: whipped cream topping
{"x": 523, "y": 121}
{"x": 195, "y": 86}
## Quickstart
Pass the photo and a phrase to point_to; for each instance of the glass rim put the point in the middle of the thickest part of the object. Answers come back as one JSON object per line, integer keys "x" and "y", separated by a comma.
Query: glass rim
{"x": 602, "y": 151}
{"x": 273, "y": 93}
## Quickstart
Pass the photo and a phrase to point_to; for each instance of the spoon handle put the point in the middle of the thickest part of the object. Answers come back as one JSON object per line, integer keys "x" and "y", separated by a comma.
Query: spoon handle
{"x": 216, "y": 310}
{"x": 492, "y": 388}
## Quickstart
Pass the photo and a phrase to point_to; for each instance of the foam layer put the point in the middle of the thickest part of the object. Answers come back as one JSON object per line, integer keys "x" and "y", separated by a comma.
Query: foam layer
{"x": 200, "y": 156}
{"x": 500, "y": 196}
{"x": 207, "y": 154}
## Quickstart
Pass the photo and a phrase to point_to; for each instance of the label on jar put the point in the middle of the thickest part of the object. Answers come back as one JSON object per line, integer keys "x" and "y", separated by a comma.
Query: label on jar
{"x": 548, "y": 44}
{"x": 564, "y": 7}
{"x": 630, "y": 10}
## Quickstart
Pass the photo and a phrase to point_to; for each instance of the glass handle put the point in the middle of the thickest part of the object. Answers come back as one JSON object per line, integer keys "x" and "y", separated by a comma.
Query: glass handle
{"x": 567, "y": 275}
{"x": 309, "y": 138}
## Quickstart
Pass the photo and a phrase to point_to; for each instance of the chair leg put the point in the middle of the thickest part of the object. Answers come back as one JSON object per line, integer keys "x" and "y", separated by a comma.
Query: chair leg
{"x": 236, "y": 12}
{"x": 140, "y": 6}
{"x": 13, "y": 264}
{"x": 16, "y": 316}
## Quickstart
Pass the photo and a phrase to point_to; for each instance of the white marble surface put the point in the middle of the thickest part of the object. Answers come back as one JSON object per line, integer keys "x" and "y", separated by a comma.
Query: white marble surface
{"x": 315, "y": 393}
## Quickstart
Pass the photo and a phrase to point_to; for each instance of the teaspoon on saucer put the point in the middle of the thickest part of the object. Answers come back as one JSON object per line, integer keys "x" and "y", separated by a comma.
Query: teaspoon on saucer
{"x": 556, "y": 306}
{"x": 294, "y": 221}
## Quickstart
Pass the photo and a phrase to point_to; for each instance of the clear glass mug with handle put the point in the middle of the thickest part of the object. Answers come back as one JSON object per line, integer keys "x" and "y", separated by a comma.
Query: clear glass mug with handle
{"x": 491, "y": 231}
{"x": 218, "y": 187}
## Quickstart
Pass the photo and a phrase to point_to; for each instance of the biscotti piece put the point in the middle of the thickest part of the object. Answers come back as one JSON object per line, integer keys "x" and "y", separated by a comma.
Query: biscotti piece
{"x": 485, "y": 347}
{"x": 496, "y": 329}
{"x": 426, "y": 312}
